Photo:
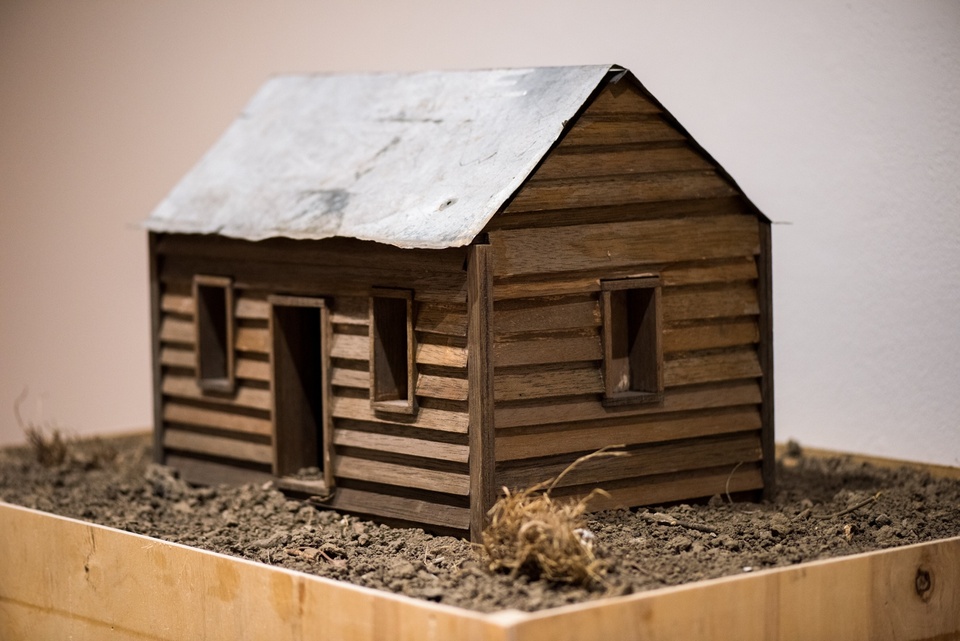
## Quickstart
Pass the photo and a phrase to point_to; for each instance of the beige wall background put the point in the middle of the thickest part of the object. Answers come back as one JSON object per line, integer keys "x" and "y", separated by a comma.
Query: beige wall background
{"x": 840, "y": 120}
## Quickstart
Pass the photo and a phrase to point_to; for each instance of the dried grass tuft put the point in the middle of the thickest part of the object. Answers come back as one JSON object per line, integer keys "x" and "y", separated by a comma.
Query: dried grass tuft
{"x": 52, "y": 447}
{"x": 533, "y": 534}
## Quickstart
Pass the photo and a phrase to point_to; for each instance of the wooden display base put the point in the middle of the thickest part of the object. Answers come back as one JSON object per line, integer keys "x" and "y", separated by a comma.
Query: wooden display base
{"x": 62, "y": 578}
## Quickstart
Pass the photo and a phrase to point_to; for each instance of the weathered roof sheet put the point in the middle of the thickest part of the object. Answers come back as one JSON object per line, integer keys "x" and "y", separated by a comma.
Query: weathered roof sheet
{"x": 413, "y": 160}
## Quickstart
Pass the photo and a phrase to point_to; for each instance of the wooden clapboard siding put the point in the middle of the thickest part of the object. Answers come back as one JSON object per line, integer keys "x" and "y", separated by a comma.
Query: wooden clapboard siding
{"x": 224, "y": 418}
{"x": 398, "y": 440}
{"x": 428, "y": 419}
{"x": 604, "y": 190}
{"x": 636, "y": 462}
{"x": 674, "y": 487}
{"x": 401, "y": 508}
{"x": 400, "y": 475}
{"x": 624, "y": 194}
{"x": 587, "y": 408}
{"x": 587, "y": 436}
{"x": 219, "y": 446}
{"x": 723, "y": 271}
{"x": 565, "y": 163}
{"x": 634, "y": 243}
{"x": 177, "y": 386}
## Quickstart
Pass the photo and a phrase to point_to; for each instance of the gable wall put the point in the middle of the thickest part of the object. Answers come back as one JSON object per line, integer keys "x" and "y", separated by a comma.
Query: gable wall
{"x": 408, "y": 468}
{"x": 624, "y": 194}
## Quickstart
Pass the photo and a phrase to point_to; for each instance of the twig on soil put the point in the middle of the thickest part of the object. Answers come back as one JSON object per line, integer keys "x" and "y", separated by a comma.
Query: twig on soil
{"x": 665, "y": 519}
{"x": 866, "y": 501}
{"x": 726, "y": 487}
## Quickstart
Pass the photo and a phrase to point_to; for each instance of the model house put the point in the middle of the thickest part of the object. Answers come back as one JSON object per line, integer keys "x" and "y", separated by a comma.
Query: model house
{"x": 403, "y": 292}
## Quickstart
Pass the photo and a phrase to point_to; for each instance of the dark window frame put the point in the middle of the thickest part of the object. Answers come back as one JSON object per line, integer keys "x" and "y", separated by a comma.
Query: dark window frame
{"x": 214, "y": 331}
{"x": 632, "y": 312}
{"x": 393, "y": 370}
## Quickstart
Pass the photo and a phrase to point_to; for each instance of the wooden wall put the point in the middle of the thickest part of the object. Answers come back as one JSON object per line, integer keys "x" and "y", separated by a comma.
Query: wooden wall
{"x": 409, "y": 468}
{"x": 625, "y": 193}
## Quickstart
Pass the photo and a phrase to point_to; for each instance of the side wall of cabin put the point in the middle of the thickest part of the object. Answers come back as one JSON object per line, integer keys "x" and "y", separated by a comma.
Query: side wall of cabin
{"x": 396, "y": 466}
{"x": 626, "y": 194}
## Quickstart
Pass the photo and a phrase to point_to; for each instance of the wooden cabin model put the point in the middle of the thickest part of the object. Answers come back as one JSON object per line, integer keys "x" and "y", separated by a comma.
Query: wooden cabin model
{"x": 404, "y": 292}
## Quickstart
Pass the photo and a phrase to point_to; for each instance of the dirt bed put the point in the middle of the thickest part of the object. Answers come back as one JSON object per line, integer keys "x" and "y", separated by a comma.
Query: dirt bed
{"x": 823, "y": 508}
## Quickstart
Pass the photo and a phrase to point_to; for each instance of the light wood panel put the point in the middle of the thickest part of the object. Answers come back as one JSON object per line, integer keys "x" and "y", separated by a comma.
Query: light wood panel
{"x": 590, "y": 131}
{"x": 454, "y": 389}
{"x": 546, "y": 314}
{"x": 400, "y": 508}
{"x": 84, "y": 591}
{"x": 710, "y": 336}
{"x": 547, "y": 350}
{"x": 546, "y": 381}
{"x": 688, "y": 303}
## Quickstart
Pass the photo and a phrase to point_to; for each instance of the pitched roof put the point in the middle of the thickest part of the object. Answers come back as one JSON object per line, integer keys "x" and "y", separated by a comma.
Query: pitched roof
{"x": 413, "y": 160}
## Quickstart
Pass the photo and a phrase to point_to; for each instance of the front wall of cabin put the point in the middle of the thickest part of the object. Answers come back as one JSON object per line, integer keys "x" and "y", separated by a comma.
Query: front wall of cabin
{"x": 405, "y": 467}
{"x": 625, "y": 194}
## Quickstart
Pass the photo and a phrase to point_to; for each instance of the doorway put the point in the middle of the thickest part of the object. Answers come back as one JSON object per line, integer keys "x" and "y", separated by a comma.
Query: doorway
{"x": 300, "y": 365}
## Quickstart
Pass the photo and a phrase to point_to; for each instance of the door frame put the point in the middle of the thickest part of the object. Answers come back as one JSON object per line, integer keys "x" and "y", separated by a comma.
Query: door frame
{"x": 280, "y": 440}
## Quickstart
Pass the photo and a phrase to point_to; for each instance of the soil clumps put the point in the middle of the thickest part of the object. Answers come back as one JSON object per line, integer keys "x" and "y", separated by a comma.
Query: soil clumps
{"x": 823, "y": 508}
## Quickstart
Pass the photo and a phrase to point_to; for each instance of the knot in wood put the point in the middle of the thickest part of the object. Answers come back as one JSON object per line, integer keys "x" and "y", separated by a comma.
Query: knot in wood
{"x": 923, "y": 583}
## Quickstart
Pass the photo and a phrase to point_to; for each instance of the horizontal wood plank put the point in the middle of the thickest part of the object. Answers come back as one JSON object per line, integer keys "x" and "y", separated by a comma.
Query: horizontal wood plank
{"x": 639, "y": 462}
{"x": 177, "y": 304}
{"x": 542, "y": 315}
{"x": 327, "y": 253}
{"x": 453, "y": 389}
{"x": 606, "y": 246}
{"x": 621, "y": 98}
{"x": 406, "y": 476}
{"x": 442, "y": 319}
{"x": 710, "y": 336}
{"x": 219, "y": 418}
{"x": 704, "y": 273}
{"x": 400, "y": 508}
{"x": 588, "y": 437}
{"x": 426, "y": 418}
{"x": 547, "y": 350}
{"x": 620, "y": 131}
{"x": 725, "y": 366}
{"x": 541, "y": 382}
{"x": 252, "y": 308}
{"x": 350, "y": 347}
{"x": 184, "y": 441}
{"x": 555, "y": 411}
{"x": 379, "y": 442}
{"x": 688, "y": 303}
{"x": 252, "y": 369}
{"x": 186, "y": 387}
{"x": 252, "y": 339}
{"x": 342, "y": 377}
{"x": 175, "y": 330}
{"x": 620, "y": 190}
{"x": 453, "y": 356}
{"x": 628, "y": 161}
{"x": 682, "y": 486}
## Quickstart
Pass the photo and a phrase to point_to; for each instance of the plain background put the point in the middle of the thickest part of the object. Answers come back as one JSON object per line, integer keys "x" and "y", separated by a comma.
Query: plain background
{"x": 841, "y": 120}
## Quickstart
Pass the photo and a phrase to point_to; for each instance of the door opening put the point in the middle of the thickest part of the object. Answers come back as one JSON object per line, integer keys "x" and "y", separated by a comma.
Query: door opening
{"x": 298, "y": 328}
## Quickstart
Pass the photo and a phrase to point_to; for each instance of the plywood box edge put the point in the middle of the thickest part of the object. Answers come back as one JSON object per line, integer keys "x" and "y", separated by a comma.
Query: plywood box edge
{"x": 64, "y": 577}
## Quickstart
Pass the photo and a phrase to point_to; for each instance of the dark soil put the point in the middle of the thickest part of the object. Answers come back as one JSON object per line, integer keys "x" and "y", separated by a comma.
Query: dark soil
{"x": 824, "y": 508}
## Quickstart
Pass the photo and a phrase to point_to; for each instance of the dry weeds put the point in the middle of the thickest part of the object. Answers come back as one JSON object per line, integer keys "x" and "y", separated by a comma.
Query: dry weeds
{"x": 533, "y": 534}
